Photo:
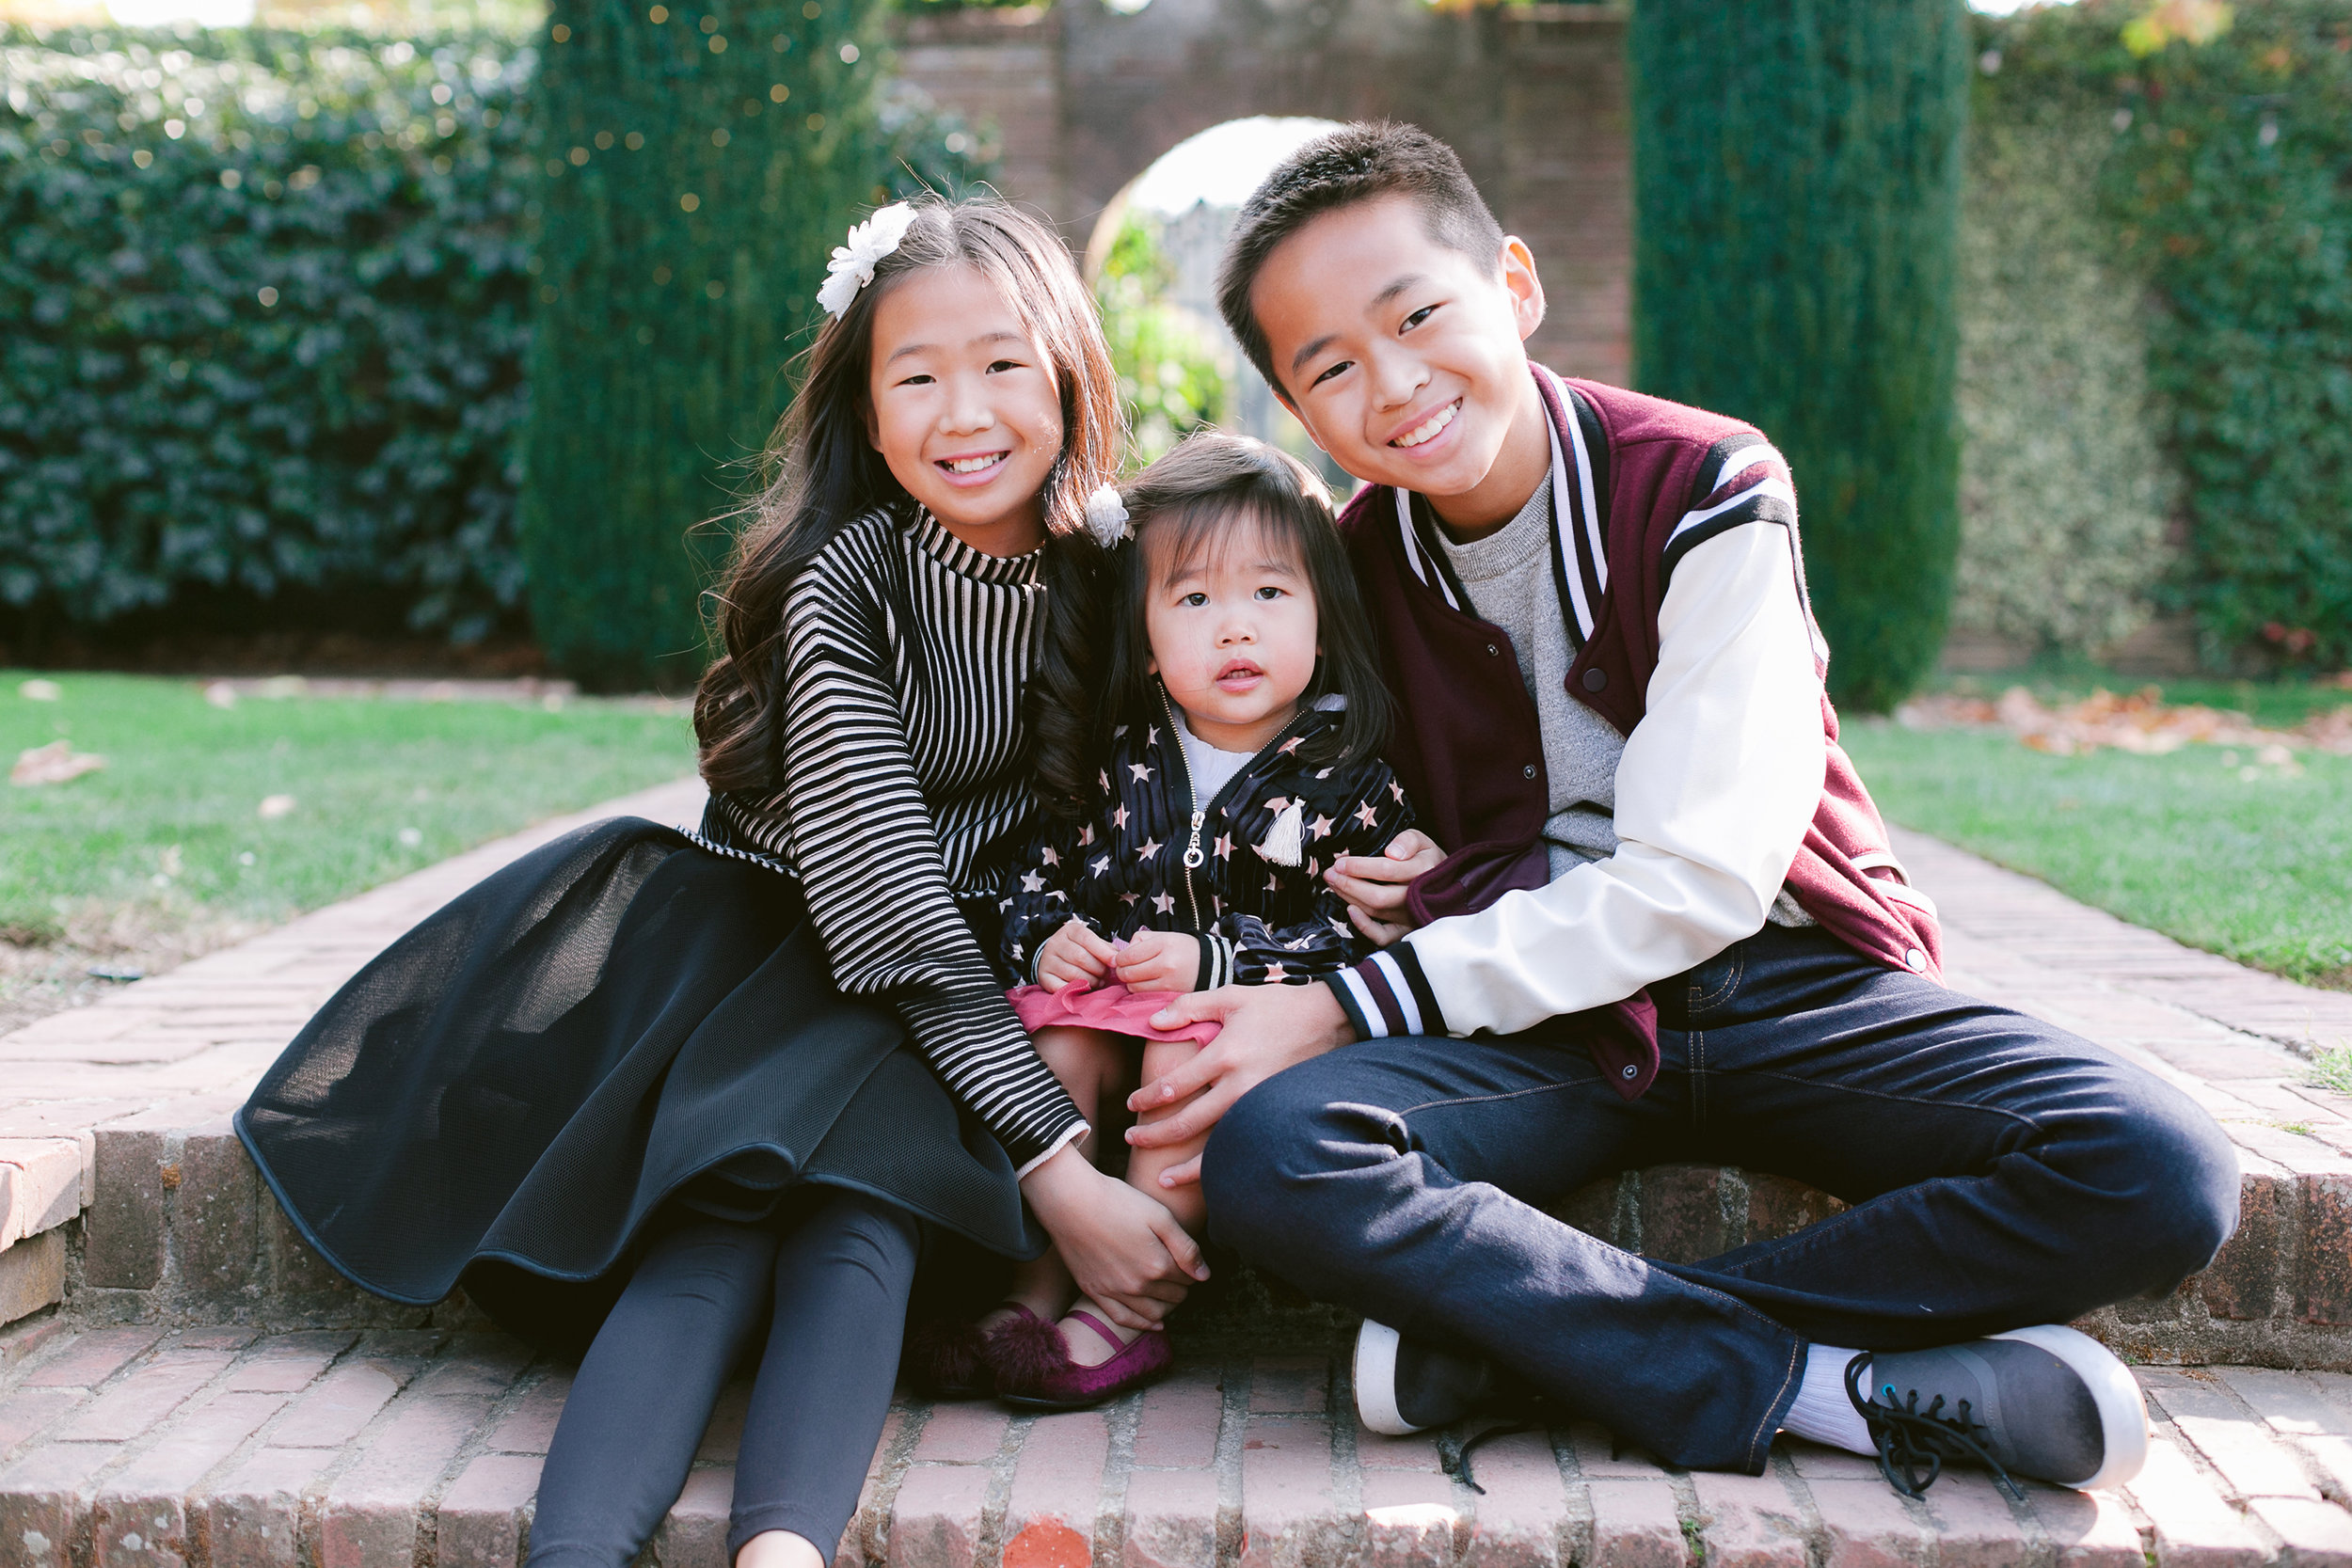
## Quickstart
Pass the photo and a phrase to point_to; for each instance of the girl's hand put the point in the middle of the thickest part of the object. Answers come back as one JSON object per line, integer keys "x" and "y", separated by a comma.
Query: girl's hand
{"x": 1375, "y": 886}
{"x": 1073, "y": 956}
{"x": 1120, "y": 1245}
{"x": 1159, "y": 960}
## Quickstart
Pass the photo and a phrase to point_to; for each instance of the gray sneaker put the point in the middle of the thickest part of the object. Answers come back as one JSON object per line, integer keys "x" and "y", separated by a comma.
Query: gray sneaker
{"x": 1404, "y": 1387}
{"x": 2046, "y": 1402}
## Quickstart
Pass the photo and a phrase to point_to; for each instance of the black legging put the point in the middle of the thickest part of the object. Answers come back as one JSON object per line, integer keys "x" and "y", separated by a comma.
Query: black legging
{"x": 648, "y": 1386}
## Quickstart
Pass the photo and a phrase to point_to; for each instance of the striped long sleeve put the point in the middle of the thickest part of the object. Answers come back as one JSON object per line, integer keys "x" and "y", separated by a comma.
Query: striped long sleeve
{"x": 906, "y": 657}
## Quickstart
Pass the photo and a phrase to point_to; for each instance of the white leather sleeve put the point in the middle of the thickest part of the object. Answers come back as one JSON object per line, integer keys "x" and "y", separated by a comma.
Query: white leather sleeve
{"x": 1716, "y": 788}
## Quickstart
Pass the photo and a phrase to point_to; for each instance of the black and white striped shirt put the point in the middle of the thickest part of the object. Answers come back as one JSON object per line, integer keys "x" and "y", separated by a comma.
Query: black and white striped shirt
{"x": 905, "y": 787}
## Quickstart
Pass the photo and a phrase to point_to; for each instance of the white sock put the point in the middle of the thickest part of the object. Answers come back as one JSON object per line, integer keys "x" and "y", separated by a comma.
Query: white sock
{"x": 1822, "y": 1411}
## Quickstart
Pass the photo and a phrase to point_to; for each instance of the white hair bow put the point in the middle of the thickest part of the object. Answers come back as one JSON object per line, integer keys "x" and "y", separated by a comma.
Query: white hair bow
{"x": 852, "y": 264}
{"x": 1107, "y": 518}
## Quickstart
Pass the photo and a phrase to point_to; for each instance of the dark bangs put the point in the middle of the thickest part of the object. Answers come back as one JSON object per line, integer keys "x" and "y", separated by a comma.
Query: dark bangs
{"x": 1217, "y": 494}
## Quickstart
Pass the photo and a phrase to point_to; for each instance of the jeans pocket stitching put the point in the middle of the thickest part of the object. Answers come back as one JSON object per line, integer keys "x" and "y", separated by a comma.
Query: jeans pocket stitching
{"x": 1735, "y": 969}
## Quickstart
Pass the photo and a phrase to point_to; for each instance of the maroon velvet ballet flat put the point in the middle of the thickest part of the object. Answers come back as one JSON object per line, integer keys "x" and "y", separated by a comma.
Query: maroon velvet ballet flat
{"x": 1034, "y": 1371}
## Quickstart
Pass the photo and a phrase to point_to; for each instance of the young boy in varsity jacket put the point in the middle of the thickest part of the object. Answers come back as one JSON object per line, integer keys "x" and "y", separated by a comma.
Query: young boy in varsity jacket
{"x": 1594, "y": 614}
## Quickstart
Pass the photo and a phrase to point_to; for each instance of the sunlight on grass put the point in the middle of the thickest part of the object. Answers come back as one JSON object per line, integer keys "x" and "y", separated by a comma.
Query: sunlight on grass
{"x": 2251, "y": 862}
{"x": 259, "y": 811}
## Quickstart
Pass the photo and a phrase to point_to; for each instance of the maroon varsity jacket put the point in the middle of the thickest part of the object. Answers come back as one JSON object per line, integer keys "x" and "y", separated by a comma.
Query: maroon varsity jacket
{"x": 1652, "y": 479}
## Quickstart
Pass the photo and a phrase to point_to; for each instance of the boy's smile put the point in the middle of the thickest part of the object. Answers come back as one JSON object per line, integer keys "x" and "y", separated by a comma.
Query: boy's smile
{"x": 1403, "y": 358}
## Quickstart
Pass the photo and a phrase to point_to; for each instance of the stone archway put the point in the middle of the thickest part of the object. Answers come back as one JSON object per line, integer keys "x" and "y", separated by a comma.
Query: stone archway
{"x": 1082, "y": 100}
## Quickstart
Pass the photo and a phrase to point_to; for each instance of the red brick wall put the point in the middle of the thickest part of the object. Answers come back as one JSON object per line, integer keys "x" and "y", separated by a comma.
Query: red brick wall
{"x": 1079, "y": 101}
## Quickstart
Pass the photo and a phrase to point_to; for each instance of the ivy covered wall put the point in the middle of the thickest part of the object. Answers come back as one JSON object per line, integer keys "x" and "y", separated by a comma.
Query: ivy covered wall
{"x": 2065, "y": 488}
{"x": 2175, "y": 178}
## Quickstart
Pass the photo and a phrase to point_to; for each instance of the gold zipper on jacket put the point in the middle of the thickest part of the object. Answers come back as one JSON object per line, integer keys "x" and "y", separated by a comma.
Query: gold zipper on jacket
{"x": 1194, "y": 856}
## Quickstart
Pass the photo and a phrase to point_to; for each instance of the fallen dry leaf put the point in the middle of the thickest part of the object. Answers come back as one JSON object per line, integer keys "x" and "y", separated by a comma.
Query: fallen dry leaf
{"x": 2140, "y": 722}
{"x": 55, "y": 763}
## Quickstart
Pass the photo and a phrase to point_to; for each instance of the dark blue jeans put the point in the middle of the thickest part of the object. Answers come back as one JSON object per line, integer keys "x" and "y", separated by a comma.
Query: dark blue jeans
{"x": 2002, "y": 1172}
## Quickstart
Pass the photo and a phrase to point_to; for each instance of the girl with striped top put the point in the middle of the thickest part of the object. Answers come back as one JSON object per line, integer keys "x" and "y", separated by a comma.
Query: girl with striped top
{"x": 643, "y": 1085}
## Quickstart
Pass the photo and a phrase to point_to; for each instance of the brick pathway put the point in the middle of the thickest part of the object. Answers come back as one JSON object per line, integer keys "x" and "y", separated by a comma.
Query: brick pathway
{"x": 213, "y": 1448}
{"x": 168, "y": 1446}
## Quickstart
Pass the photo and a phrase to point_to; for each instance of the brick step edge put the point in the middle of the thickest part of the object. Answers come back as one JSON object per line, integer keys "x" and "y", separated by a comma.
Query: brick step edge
{"x": 181, "y": 1230}
{"x": 213, "y": 1448}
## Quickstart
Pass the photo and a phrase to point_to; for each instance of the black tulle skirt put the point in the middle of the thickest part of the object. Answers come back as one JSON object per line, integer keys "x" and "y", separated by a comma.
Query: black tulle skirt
{"x": 617, "y": 1026}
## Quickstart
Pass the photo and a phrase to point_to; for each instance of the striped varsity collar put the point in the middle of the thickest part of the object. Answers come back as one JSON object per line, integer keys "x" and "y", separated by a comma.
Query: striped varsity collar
{"x": 1579, "y": 479}
{"x": 932, "y": 538}
{"x": 1388, "y": 994}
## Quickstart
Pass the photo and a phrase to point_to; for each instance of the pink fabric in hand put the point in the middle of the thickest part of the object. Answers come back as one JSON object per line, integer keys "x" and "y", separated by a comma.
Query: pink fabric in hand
{"x": 1110, "y": 1007}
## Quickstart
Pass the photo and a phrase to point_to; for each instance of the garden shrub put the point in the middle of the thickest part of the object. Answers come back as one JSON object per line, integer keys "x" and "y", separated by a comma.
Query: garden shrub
{"x": 699, "y": 167}
{"x": 2225, "y": 181}
{"x": 261, "y": 318}
{"x": 167, "y": 427}
{"x": 2064, "y": 489}
{"x": 1169, "y": 378}
{"x": 1796, "y": 203}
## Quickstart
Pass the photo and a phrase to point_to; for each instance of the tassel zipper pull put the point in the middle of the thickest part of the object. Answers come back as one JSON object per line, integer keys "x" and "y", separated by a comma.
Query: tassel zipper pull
{"x": 1286, "y": 841}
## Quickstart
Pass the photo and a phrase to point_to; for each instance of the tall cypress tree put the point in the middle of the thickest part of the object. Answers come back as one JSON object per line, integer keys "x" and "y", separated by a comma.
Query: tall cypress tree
{"x": 699, "y": 165}
{"x": 1797, "y": 203}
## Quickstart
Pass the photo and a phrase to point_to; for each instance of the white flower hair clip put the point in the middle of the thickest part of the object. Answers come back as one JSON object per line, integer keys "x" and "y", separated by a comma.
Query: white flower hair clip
{"x": 852, "y": 264}
{"x": 1107, "y": 518}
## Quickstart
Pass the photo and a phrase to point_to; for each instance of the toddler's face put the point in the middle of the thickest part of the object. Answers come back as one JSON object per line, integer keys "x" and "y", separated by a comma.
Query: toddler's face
{"x": 1233, "y": 635}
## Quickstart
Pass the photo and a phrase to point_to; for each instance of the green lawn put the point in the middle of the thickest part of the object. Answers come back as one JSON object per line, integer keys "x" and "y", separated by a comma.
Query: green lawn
{"x": 2257, "y": 869}
{"x": 173, "y": 828}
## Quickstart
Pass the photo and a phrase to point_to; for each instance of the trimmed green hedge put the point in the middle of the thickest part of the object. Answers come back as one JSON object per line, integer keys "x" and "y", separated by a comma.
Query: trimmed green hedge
{"x": 2224, "y": 184}
{"x": 276, "y": 339}
{"x": 700, "y": 163}
{"x": 1796, "y": 208}
{"x": 262, "y": 308}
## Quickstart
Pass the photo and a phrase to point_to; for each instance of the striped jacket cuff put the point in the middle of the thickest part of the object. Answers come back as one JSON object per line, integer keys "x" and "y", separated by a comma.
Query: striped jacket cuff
{"x": 1388, "y": 994}
{"x": 1217, "y": 962}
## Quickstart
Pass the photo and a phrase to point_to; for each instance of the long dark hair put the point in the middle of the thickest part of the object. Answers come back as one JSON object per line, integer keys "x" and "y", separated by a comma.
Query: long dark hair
{"x": 821, "y": 473}
{"x": 1199, "y": 498}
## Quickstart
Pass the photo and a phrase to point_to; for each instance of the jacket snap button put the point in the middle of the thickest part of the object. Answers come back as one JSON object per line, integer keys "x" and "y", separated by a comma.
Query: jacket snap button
{"x": 1595, "y": 679}
{"x": 1493, "y": 652}
{"x": 1916, "y": 960}
{"x": 1629, "y": 1071}
{"x": 1529, "y": 769}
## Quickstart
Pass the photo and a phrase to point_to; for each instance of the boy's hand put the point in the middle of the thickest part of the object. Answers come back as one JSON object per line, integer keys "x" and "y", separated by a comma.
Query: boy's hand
{"x": 1075, "y": 955}
{"x": 1375, "y": 886}
{"x": 1159, "y": 960}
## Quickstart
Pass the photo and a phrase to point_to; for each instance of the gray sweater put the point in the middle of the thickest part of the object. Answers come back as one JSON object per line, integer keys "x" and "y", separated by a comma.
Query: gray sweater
{"x": 1509, "y": 579}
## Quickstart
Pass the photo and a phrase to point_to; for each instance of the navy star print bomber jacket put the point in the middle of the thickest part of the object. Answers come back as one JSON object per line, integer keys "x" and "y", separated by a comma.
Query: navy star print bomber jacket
{"x": 1148, "y": 856}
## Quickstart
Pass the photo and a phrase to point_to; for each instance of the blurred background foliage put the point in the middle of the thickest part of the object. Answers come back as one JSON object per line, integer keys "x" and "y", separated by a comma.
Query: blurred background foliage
{"x": 697, "y": 165}
{"x": 266, "y": 299}
{"x": 1796, "y": 192}
{"x": 1169, "y": 374}
{"x": 2158, "y": 263}
{"x": 267, "y": 310}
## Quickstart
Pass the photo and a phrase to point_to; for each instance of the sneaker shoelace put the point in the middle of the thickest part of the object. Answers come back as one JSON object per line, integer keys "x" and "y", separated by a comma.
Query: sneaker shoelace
{"x": 1455, "y": 1458}
{"x": 1911, "y": 1440}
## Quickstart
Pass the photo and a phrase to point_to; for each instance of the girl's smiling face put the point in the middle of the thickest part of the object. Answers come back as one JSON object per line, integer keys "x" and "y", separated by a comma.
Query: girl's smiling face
{"x": 963, "y": 407}
{"x": 1234, "y": 635}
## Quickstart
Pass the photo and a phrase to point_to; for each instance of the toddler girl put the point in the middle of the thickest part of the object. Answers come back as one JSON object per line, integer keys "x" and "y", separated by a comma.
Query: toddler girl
{"x": 1189, "y": 821}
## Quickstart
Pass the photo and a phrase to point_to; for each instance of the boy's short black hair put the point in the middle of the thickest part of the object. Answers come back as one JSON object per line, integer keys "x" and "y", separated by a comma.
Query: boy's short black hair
{"x": 1358, "y": 163}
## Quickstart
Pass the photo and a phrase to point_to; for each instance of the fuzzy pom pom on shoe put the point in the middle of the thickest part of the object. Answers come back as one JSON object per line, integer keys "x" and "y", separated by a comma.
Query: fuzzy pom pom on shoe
{"x": 1034, "y": 1371}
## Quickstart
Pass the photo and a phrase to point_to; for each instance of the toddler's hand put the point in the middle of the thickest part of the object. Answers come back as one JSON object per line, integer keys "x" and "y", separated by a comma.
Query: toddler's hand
{"x": 1159, "y": 960}
{"x": 1073, "y": 956}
